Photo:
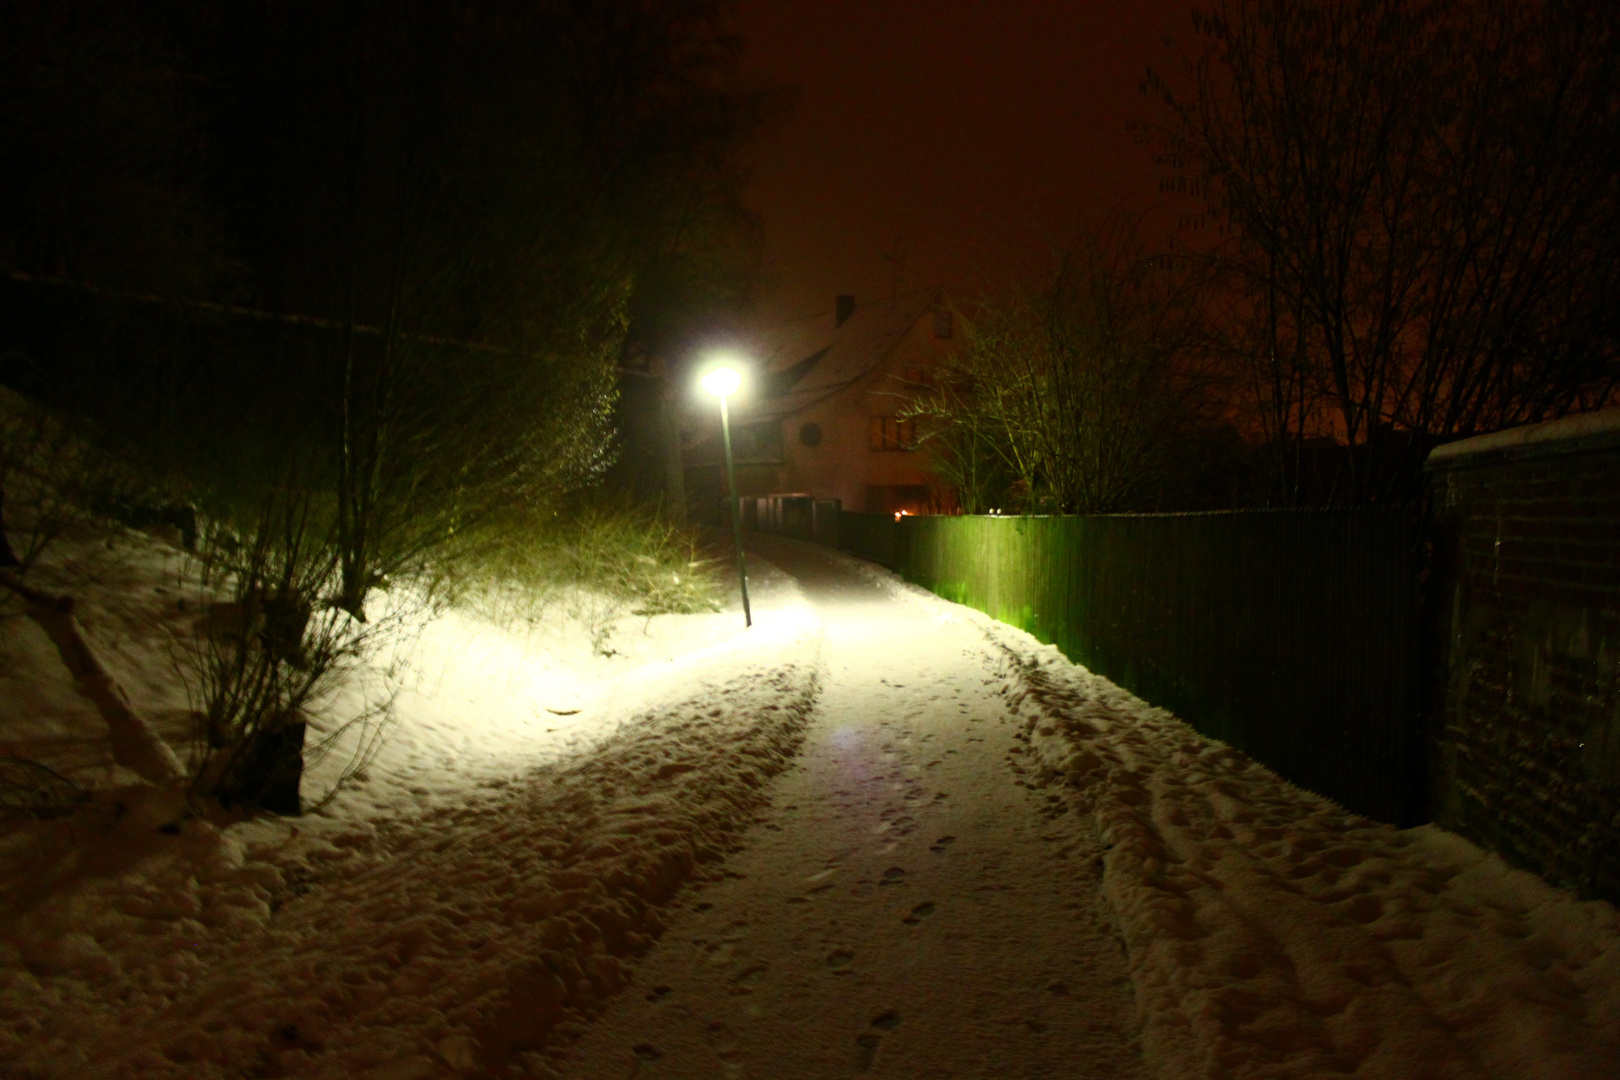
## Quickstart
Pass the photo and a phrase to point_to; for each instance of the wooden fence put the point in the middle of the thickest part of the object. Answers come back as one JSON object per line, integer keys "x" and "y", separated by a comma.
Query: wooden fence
{"x": 1291, "y": 635}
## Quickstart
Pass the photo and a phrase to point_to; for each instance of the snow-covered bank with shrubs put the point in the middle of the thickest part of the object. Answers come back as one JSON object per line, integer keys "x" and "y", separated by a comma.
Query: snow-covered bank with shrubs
{"x": 479, "y": 882}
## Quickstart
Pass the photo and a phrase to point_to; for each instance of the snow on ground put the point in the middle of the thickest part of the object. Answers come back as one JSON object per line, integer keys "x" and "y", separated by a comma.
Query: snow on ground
{"x": 475, "y": 701}
{"x": 126, "y": 596}
{"x": 985, "y": 861}
{"x": 905, "y": 909}
{"x": 469, "y": 698}
{"x": 480, "y": 886}
{"x": 1272, "y": 934}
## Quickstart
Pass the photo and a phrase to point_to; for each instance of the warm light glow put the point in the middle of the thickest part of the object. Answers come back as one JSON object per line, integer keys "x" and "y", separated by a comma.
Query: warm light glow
{"x": 722, "y": 380}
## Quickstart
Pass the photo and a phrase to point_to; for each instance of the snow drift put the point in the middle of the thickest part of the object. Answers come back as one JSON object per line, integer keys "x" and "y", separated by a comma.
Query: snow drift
{"x": 1272, "y": 934}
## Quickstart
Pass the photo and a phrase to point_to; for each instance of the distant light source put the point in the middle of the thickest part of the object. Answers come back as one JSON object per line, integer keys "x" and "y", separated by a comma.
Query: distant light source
{"x": 722, "y": 380}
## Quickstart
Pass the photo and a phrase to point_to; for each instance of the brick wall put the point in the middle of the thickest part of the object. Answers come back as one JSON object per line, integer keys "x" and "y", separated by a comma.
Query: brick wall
{"x": 1527, "y": 756}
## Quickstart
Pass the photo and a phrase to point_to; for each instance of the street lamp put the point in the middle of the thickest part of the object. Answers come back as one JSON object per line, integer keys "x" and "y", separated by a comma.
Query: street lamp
{"x": 722, "y": 380}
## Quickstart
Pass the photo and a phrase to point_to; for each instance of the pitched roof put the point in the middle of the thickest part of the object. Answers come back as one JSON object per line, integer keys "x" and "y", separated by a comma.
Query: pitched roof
{"x": 812, "y": 359}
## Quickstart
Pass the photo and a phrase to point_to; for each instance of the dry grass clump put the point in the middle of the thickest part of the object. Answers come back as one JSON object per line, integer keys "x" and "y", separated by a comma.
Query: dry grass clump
{"x": 594, "y": 563}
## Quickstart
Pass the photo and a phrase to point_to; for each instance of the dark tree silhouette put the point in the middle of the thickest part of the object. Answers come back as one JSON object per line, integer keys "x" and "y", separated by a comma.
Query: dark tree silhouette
{"x": 1421, "y": 200}
{"x": 1083, "y": 396}
{"x": 447, "y": 224}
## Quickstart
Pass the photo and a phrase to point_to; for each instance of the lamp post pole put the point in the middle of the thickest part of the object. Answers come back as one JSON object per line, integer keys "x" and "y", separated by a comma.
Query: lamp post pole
{"x": 736, "y": 510}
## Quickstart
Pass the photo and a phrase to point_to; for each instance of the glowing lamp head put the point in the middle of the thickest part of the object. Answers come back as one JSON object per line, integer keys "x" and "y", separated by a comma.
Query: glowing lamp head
{"x": 721, "y": 380}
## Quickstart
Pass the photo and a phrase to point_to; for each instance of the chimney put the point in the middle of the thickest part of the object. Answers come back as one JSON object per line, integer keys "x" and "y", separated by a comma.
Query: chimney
{"x": 845, "y": 308}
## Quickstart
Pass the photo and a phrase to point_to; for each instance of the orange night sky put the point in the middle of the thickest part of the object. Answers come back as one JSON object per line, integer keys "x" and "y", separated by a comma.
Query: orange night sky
{"x": 981, "y": 134}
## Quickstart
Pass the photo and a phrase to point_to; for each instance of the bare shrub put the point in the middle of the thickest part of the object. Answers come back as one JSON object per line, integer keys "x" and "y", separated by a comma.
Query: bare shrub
{"x": 271, "y": 647}
{"x": 45, "y": 469}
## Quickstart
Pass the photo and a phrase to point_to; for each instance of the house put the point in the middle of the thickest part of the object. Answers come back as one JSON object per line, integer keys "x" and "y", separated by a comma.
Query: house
{"x": 824, "y": 416}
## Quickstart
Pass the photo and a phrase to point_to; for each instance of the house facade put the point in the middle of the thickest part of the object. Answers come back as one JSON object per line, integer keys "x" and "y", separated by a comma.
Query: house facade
{"x": 824, "y": 417}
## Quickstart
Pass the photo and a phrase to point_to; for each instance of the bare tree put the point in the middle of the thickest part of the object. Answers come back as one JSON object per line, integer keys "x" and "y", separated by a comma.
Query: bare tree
{"x": 483, "y": 194}
{"x": 1079, "y": 394}
{"x": 1421, "y": 205}
{"x": 962, "y": 428}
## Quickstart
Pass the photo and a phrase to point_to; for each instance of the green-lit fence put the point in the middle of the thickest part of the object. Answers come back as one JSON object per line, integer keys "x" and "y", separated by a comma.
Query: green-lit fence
{"x": 1290, "y": 635}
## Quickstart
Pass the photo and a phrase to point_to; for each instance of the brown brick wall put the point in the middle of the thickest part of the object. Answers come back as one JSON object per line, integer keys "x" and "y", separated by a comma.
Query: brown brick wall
{"x": 1528, "y": 759}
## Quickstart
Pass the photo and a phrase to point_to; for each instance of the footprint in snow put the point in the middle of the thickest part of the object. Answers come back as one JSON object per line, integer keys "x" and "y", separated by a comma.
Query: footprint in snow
{"x": 941, "y": 844}
{"x": 894, "y": 875}
{"x": 722, "y": 1040}
{"x": 745, "y": 981}
{"x": 903, "y": 825}
{"x": 820, "y": 882}
{"x": 866, "y": 1045}
{"x": 841, "y": 962}
{"x": 918, "y": 914}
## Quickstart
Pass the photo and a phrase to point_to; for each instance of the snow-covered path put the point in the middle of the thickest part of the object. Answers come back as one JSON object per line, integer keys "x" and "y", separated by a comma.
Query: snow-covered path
{"x": 880, "y": 834}
{"x": 908, "y": 907}
{"x": 988, "y": 861}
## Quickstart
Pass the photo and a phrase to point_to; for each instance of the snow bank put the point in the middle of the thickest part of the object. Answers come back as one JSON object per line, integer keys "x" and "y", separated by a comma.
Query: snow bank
{"x": 472, "y": 701}
{"x": 469, "y": 698}
{"x": 466, "y": 937}
{"x": 1272, "y": 934}
{"x": 474, "y": 893}
{"x": 129, "y": 605}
